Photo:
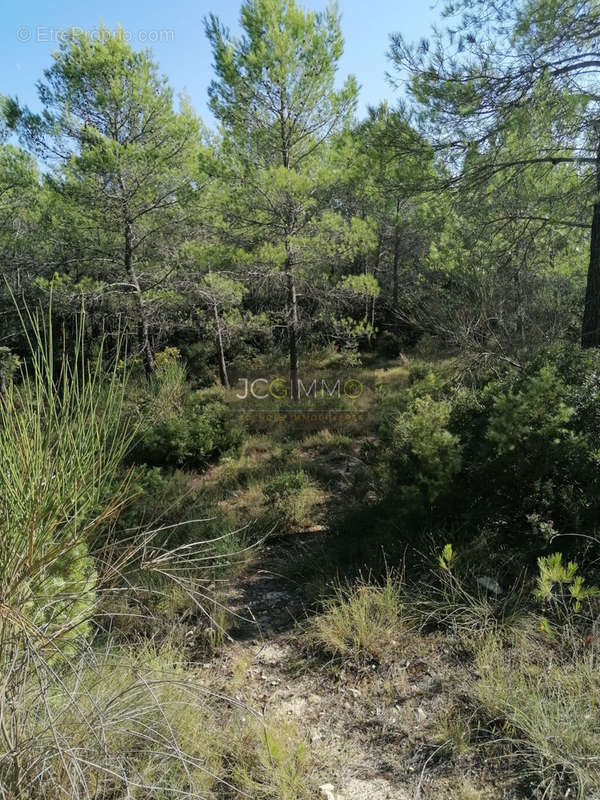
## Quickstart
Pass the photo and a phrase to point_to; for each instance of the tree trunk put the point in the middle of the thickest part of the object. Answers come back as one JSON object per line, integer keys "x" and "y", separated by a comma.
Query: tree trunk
{"x": 143, "y": 329}
{"x": 396, "y": 258}
{"x": 143, "y": 326}
{"x": 292, "y": 327}
{"x": 292, "y": 310}
{"x": 590, "y": 328}
{"x": 220, "y": 349}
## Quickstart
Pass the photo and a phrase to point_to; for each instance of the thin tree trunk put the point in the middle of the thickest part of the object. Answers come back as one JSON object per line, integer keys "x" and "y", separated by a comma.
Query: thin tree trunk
{"x": 292, "y": 310}
{"x": 590, "y": 328}
{"x": 292, "y": 327}
{"x": 395, "y": 288}
{"x": 221, "y": 350}
{"x": 143, "y": 324}
{"x": 373, "y": 312}
{"x": 520, "y": 324}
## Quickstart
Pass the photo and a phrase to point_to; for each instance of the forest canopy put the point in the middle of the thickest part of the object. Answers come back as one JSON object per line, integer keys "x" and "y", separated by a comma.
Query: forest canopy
{"x": 465, "y": 209}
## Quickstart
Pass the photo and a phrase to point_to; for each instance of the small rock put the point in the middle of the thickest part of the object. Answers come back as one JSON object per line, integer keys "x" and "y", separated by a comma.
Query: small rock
{"x": 490, "y": 584}
{"x": 421, "y": 715}
{"x": 328, "y": 792}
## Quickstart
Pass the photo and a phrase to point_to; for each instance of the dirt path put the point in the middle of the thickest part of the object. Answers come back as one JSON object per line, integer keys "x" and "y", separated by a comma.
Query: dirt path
{"x": 351, "y": 729}
{"x": 375, "y": 731}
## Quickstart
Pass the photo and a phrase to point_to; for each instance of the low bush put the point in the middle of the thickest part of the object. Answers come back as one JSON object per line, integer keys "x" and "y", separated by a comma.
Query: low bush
{"x": 521, "y": 446}
{"x": 425, "y": 456}
{"x": 181, "y": 427}
{"x": 295, "y": 498}
{"x": 61, "y": 444}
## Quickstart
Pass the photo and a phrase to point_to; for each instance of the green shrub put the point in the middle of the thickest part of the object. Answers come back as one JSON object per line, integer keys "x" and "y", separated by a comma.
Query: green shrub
{"x": 419, "y": 372}
{"x": 182, "y": 427}
{"x": 425, "y": 456}
{"x": 536, "y": 459}
{"x": 534, "y": 420}
{"x": 524, "y": 445}
{"x": 294, "y": 497}
{"x": 286, "y": 484}
{"x": 61, "y": 444}
{"x": 388, "y": 344}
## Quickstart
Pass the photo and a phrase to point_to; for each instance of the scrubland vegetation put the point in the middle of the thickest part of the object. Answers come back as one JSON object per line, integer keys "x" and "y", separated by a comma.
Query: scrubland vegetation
{"x": 299, "y": 419}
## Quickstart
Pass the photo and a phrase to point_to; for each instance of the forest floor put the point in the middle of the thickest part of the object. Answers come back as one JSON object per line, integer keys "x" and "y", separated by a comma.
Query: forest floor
{"x": 376, "y": 732}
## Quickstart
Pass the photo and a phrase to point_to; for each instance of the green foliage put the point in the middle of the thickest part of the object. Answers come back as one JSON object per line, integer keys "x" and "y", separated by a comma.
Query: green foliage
{"x": 285, "y": 484}
{"x": 455, "y": 596}
{"x": 127, "y": 170}
{"x": 563, "y": 594}
{"x": 294, "y": 497}
{"x": 534, "y": 419}
{"x": 419, "y": 373}
{"x": 181, "y": 427}
{"x": 549, "y": 712}
{"x": 446, "y": 559}
{"x": 425, "y": 455}
{"x": 388, "y": 344}
{"x": 284, "y": 53}
{"x": 163, "y": 734}
{"x": 521, "y": 449}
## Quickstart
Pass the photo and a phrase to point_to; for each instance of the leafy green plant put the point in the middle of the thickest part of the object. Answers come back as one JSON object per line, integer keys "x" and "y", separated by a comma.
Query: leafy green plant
{"x": 563, "y": 594}
{"x": 425, "y": 455}
{"x": 181, "y": 427}
{"x": 536, "y": 417}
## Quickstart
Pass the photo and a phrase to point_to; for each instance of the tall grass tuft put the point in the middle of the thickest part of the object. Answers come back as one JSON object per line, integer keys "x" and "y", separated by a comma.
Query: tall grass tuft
{"x": 61, "y": 446}
{"x": 361, "y": 623}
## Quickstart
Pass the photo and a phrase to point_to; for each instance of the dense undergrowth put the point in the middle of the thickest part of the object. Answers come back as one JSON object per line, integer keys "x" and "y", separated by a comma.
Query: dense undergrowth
{"x": 465, "y": 513}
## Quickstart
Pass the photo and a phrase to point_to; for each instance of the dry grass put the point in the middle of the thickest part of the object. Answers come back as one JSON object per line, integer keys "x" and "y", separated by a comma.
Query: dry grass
{"x": 135, "y": 722}
{"x": 328, "y": 443}
{"x": 361, "y": 623}
{"x": 547, "y": 713}
{"x": 271, "y": 762}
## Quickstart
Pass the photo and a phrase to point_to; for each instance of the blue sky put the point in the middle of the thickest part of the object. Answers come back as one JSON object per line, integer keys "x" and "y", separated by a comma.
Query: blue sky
{"x": 174, "y": 31}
